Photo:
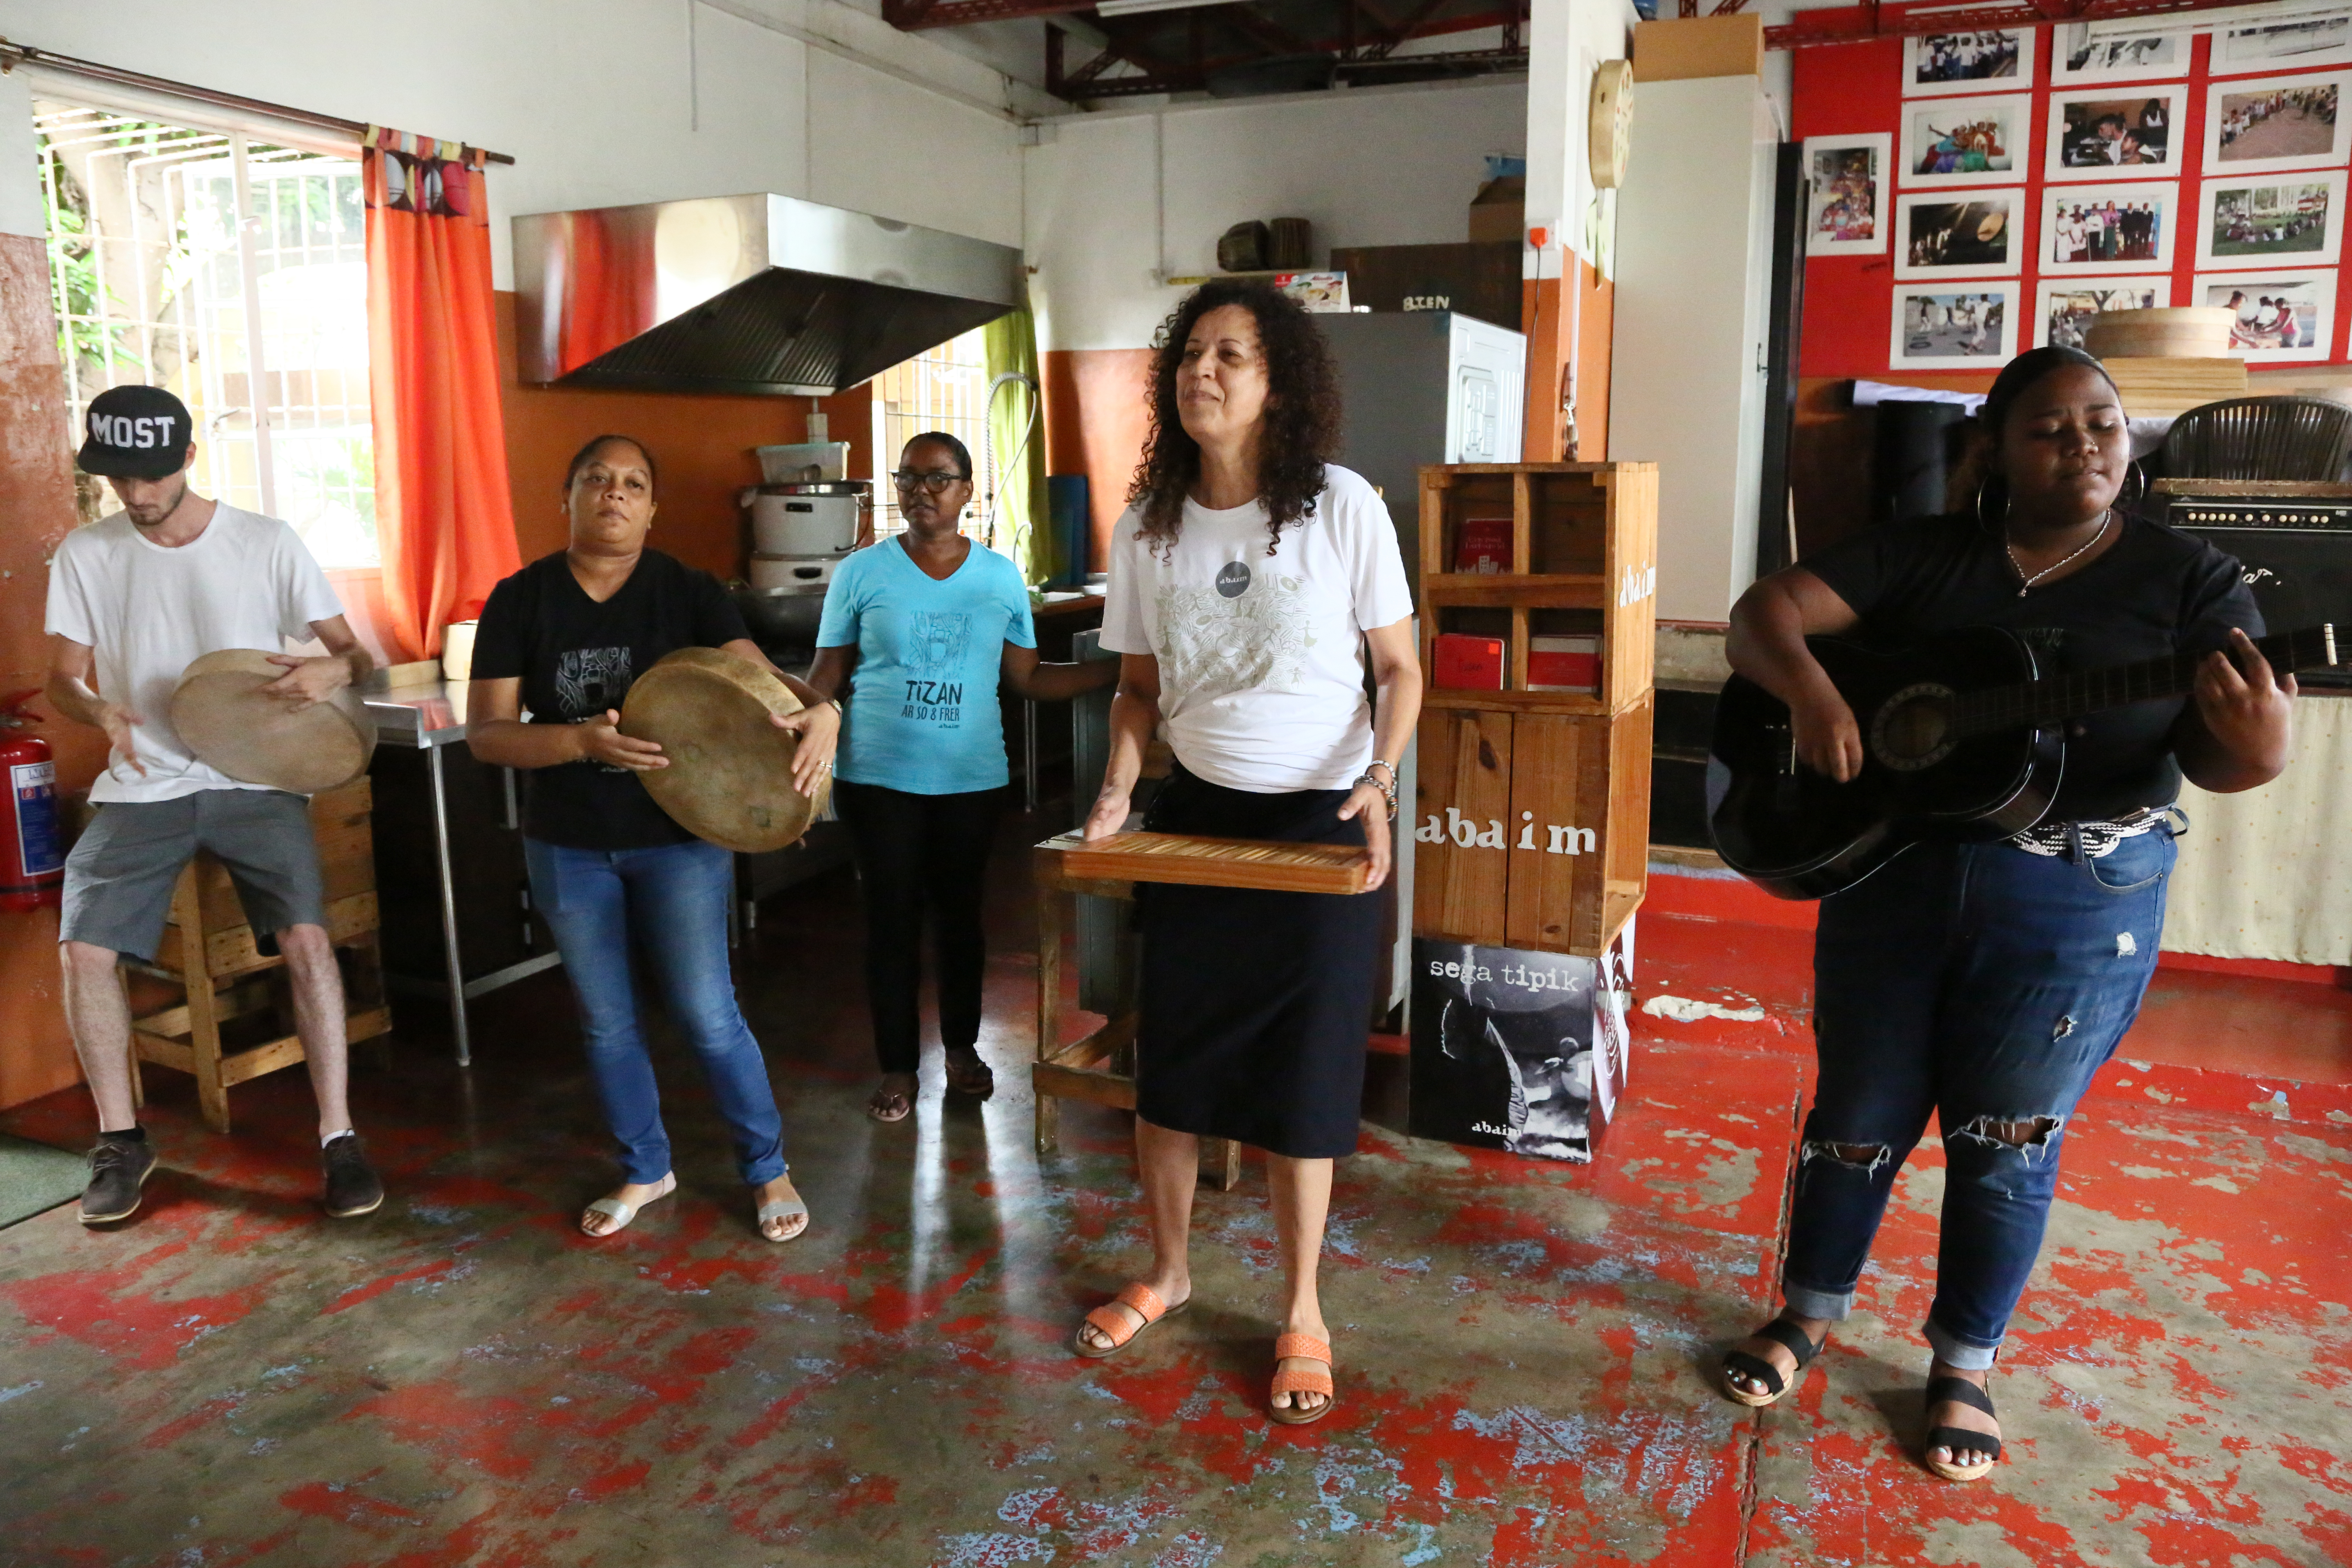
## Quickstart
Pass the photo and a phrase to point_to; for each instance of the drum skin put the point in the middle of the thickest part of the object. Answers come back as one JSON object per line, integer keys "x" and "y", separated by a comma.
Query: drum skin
{"x": 225, "y": 720}
{"x": 730, "y": 779}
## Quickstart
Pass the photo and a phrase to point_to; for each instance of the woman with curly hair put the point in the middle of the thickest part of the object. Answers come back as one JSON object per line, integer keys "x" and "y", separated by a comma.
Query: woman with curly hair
{"x": 1249, "y": 579}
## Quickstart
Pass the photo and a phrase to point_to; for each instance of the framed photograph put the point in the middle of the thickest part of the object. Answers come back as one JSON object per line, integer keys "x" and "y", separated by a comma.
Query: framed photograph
{"x": 1957, "y": 326}
{"x": 1942, "y": 65}
{"x": 1959, "y": 234}
{"x": 2281, "y": 45}
{"x": 2275, "y": 122}
{"x": 2272, "y": 220}
{"x": 2281, "y": 316}
{"x": 1850, "y": 194}
{"x": 2127, "y": 134}
{"x": 1965, "y": 140}
{"x": 2089, "y": 229}
{"x": 2076, "y": 57}
{"x": 2064, "y": 311}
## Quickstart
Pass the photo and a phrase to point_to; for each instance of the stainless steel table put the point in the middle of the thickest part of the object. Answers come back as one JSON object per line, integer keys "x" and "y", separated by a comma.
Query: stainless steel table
{"x": 427, "y": 717}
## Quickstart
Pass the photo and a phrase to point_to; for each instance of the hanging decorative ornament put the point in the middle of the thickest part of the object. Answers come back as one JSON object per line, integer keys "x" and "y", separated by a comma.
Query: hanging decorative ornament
{"x": 1609, "y": 133}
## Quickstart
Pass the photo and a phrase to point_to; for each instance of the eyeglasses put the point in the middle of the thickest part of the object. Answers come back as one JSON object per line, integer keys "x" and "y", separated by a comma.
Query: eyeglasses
{"x": 935, "y": 481}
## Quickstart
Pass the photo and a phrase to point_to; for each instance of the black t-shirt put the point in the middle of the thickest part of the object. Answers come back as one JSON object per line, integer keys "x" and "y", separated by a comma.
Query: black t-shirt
{"x": 577, "y": 658}
{"x": 2155, "y": 592}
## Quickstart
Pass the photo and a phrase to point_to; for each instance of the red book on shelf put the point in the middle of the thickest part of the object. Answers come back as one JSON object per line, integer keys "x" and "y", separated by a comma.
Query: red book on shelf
{"x": 1466, "y": 663}
{"x": 1483, "y": 544}
{"x": 1564, "y": 664}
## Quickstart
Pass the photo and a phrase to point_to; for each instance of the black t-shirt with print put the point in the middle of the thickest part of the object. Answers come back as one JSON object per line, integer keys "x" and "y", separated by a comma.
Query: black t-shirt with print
{"x": 576, "y": 659}
{"x": 2155, "y": 592}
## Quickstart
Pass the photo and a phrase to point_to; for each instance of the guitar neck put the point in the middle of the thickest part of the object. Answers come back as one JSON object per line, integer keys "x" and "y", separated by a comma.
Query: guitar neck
{"x": 2054, "y": 699}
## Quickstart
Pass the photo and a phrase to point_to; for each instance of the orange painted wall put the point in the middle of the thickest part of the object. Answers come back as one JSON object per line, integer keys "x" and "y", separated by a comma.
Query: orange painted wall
{"x": 1544, "y": 316}
{"x": 1097, "y": 415}
{"x": 702, "y": 442}
{"x": 36, "y": 481}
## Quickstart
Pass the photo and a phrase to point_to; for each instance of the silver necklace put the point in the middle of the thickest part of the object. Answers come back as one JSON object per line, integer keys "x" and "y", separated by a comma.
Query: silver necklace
{"x": 2019, "y": 567}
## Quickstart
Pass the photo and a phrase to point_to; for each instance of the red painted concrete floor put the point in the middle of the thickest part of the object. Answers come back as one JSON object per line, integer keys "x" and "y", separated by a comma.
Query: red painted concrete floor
{"x": 1523, "y": 1348}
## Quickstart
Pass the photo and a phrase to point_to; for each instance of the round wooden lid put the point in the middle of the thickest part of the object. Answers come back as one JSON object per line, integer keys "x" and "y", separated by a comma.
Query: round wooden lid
{"x": 223, "y": 718}
{"x": 729, "y": 778}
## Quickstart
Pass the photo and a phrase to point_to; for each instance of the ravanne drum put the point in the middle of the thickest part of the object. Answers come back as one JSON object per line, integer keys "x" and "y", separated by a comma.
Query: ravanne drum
{"x": 729, "y": 778}
{"x": 223, "y": 719}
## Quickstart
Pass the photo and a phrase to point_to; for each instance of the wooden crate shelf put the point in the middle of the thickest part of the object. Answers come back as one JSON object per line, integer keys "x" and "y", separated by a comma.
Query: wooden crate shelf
{"x": 1531, "y": 816}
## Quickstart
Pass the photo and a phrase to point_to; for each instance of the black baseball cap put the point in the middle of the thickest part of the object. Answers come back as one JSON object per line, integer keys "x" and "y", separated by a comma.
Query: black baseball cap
{"x": 136, "y": 433}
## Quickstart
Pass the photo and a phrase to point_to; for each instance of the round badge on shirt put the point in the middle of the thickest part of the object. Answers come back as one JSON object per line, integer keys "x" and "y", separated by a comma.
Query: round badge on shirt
{"x": 1233, "y": 579}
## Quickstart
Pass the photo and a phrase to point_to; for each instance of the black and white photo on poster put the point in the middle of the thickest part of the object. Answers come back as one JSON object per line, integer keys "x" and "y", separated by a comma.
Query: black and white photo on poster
{"x": 2279, "y": 317}
{"x": 2068, "y": 307}
{"x": 2082, "y": 57}
{"x": 1503, "y": 1048}
{"x": 1954, "y": 326}
{"x": 1959, "y": 234}
{"x": 1990, "y": 60}
{"x": 1850, "y": 190}
{"x": 2124, "y": 134}
{"x": 2288, "y": 41}
{"x": 2277, "y": 122}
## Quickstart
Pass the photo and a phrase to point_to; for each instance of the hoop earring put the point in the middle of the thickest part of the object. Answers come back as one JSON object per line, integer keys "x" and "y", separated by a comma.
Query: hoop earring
{"x": 1991, "y": 525}
{"x": 2136, "y": 482}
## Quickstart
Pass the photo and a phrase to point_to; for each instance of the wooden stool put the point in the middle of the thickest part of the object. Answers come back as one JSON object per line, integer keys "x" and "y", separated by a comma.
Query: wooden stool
{"x": 214, "y": 957}
{"x": 1100, "y": 1067}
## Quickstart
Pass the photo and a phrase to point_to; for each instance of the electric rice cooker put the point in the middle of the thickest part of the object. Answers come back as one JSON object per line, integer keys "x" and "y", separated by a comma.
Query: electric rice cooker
{"x": 807, "y": 520}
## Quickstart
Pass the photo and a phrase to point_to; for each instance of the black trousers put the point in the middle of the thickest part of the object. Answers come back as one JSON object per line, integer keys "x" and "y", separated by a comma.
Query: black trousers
{"x": 919, "y": 854}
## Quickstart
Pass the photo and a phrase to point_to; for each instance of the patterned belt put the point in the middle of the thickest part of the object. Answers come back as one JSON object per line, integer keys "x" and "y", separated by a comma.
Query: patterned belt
{"x": 2096, "y": 838}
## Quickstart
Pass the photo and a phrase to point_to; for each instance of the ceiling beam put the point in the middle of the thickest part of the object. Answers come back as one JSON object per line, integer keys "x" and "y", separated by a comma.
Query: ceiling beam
{"x": 916, "y": 16}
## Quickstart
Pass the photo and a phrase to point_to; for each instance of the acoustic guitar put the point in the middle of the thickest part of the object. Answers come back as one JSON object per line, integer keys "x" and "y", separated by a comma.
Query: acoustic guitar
{"x": 1963, "y": 738}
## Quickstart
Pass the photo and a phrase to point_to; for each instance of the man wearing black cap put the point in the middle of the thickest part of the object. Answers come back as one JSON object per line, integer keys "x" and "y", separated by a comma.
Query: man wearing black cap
{"x": 134, "y": 599}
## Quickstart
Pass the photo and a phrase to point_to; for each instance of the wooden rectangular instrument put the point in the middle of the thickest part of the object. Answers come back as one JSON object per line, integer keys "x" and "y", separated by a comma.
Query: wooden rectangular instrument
{"x": 1191, "y": 861}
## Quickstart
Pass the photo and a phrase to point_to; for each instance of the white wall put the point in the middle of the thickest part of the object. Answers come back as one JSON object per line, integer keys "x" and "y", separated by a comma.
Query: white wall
{"x": 601, "y": 102}
{"x": 1382, "y": 166}
{"x": 1693, "y": 236}
{"x": 1567, "y": 40}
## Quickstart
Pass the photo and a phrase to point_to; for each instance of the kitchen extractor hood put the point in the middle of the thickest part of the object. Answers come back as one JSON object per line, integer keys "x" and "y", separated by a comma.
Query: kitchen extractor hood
{"x": 754, "y": 293}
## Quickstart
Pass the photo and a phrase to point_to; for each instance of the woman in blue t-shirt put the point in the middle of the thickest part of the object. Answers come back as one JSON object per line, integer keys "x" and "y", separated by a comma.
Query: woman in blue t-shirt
{"x": 929, "y": 626}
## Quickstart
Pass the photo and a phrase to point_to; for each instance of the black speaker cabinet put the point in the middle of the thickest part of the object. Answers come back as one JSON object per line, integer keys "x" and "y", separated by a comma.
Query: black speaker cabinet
{"x": 2297, "y": 555}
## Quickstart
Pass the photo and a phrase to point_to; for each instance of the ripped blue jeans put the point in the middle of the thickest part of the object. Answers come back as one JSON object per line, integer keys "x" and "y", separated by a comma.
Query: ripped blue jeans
{"x": 1986, "y": 985}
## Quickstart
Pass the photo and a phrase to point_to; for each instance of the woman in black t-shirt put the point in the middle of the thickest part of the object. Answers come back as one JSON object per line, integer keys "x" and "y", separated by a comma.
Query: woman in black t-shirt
{"x": 1987, "y": 983}
{"x": 565, "y": 637}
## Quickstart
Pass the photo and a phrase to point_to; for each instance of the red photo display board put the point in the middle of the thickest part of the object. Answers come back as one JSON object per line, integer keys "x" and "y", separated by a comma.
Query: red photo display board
{"x": 1854, "y": 91}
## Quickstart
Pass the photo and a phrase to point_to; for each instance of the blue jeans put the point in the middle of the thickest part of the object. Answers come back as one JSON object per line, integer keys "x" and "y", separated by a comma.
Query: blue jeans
{"x": 1984, "y": 985}
{"x": 673, "y": 898}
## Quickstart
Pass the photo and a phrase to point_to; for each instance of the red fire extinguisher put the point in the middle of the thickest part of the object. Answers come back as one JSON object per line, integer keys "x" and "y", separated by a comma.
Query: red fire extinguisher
{"x": 32, "y": 848}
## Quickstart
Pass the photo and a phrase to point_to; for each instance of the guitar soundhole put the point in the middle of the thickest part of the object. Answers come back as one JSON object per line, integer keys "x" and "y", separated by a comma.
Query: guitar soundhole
{"x": 1912, "y": 729}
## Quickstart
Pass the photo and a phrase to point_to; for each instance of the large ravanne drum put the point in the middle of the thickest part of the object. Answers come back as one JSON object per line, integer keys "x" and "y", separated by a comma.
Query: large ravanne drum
{"x": 729, "y": 778}
{"x": 223, "y": 719}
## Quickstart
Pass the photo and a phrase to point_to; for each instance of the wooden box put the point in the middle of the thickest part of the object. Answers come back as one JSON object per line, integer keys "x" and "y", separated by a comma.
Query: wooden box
{"x": 1584, "y": 559}
{"x": 1679, "y": 48}
{"x": 1480, "y": 280}
{"x": 1531, "y": 816}
{"x": 1531, "y": 829}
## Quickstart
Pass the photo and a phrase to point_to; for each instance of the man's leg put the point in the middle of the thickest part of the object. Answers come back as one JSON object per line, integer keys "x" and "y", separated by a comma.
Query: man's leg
{"x": 319, "y": 1018}
{"x": 99, "y": 1020}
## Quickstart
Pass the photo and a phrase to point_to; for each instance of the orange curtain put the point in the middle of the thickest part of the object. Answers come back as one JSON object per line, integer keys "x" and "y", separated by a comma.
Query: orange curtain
{"x": 443, "y": 508}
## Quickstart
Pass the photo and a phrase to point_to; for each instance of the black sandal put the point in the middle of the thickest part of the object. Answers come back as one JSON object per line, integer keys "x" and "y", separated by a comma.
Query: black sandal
{"x": 971, "y": 1076}
{"x": 1788, "y": 1337}
{"x": 1960, "y": 1391}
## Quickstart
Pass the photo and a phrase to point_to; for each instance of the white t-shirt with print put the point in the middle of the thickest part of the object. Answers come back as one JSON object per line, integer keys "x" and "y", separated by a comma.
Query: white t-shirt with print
{"x": 152, "y": 610}
{"x": 1262, "y": 658}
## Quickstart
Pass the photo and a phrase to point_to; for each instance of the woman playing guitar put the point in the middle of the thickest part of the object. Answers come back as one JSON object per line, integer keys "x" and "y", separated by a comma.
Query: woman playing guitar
{"x": 1987, "y": 982}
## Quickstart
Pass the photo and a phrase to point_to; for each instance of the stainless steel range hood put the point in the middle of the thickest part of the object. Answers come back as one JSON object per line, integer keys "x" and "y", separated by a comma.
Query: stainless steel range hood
{"x": 753, "y": 293}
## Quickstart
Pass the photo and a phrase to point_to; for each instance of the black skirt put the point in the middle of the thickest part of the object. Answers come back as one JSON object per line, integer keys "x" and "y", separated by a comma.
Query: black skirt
{"x": 1256, "y": 1006}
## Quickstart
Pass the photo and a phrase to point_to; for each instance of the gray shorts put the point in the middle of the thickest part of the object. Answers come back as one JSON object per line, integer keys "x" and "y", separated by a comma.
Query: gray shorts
{"x": 119, "y": 877}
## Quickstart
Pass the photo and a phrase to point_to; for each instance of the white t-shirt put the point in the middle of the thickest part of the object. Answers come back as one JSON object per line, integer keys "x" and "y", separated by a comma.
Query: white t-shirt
{"x": 1261, "y": 658}
{"x": 152, "y": 610}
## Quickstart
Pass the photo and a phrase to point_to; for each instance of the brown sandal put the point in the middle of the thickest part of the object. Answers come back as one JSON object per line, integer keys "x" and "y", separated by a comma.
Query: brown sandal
{"x": 890, "y": 1105}
{"x": 1139, "y": 1298}
{"x": 1305, "y": 1347}
{"x": 970, "y": 1075}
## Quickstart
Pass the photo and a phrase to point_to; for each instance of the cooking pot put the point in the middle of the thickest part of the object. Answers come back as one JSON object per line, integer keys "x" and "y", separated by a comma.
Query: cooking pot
{"x": 807, "y": 520}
